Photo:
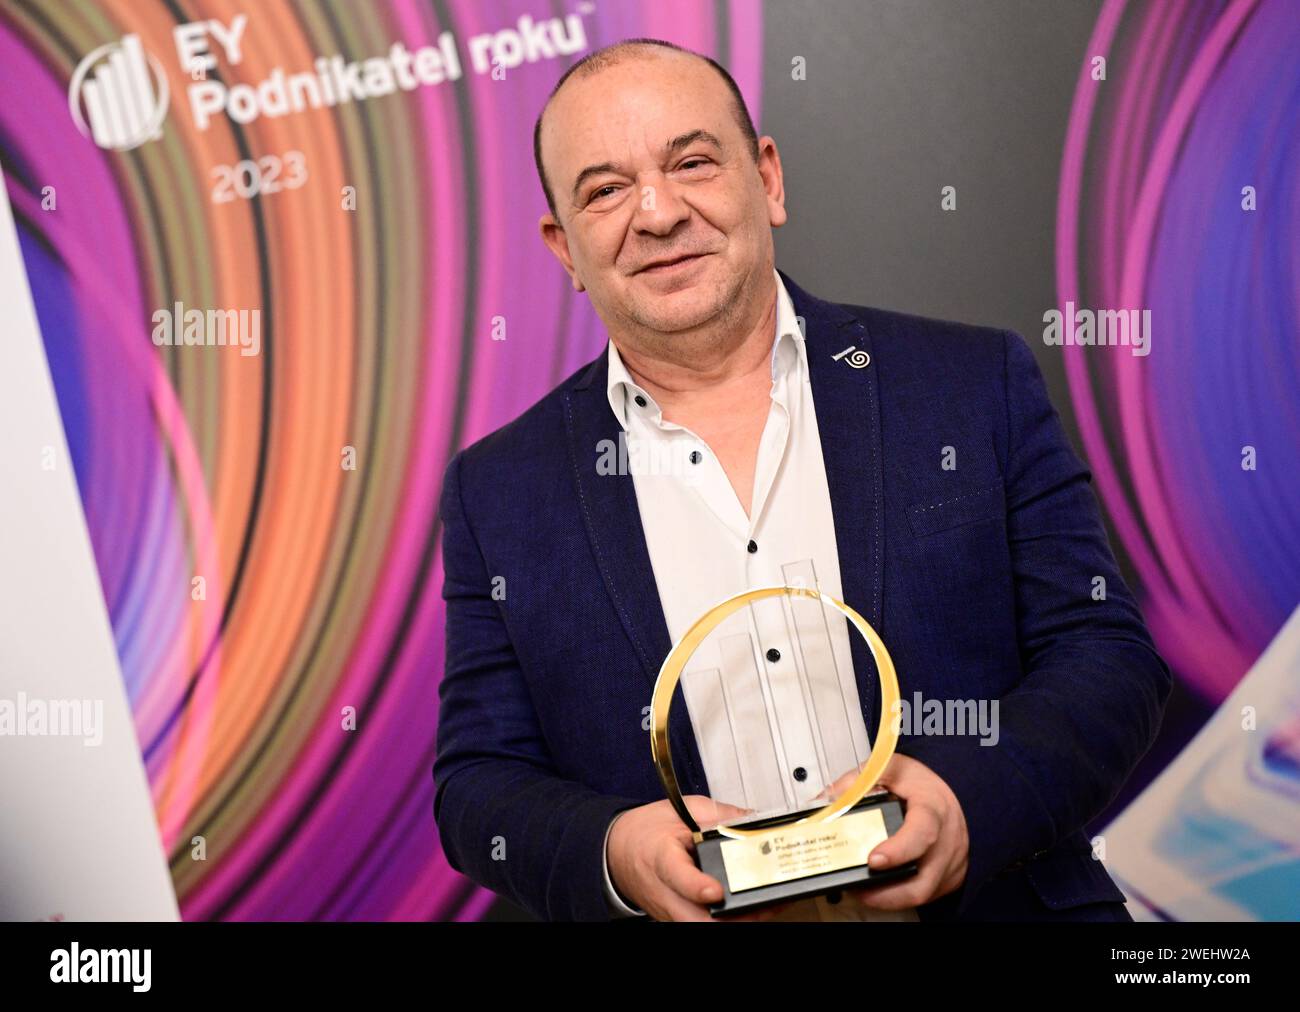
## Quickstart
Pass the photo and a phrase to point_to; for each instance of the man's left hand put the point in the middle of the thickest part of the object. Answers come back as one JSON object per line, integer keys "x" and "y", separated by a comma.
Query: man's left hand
{"x": 933, "y": 834}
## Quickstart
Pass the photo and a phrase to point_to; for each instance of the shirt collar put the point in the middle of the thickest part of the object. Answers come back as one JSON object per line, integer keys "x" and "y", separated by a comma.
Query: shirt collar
{"x": 787, "y": 350}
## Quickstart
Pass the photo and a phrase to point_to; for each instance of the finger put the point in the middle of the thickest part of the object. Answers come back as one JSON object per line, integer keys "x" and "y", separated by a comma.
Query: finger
{"x": 676, "y": 868}
{"x": 837, "y": 788}
{"x": 708, "y": 812}
{"x": 676, "y": 908}
{"x": 841, "y": 783}
{"x": 910, "y": 892}
{"x": 900, "y": 895}
{"x": 704, "y": 804}
{"x": 901, "y": 775}
{"x": 733, "y": 817}
{"x": 918, "y": 833}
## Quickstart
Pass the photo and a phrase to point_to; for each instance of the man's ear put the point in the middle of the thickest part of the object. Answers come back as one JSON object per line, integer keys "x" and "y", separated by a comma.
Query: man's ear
{"x": 769, "y": 170}
{"x": 557, "y": 242}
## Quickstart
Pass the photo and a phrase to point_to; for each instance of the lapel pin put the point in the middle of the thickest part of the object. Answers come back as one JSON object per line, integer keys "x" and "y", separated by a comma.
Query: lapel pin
{"x": 857, "y": 358}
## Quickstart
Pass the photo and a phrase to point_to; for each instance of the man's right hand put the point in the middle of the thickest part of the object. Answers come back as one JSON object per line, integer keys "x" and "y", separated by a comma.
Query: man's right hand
{"x": 650, "y": 861}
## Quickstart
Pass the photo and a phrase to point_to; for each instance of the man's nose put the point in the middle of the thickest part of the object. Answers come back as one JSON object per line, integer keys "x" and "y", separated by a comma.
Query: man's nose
{"x": 660, "y": 207}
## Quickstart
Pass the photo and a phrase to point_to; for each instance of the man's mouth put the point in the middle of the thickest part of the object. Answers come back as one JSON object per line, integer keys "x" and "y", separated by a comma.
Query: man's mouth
{"x": 666, "y": 265}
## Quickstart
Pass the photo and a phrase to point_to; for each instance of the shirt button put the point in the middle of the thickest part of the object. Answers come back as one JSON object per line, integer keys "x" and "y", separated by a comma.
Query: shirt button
{"x": 695, "y": 456}
{"x": 640, "y": 400}
{"x": 800, "y": 774}
{"x": 752, "y": 547}
{"x": 773, "y": 654}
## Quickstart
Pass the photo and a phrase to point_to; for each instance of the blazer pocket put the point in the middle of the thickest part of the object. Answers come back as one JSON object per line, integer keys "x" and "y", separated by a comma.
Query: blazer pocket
{"x": 964, "y": 508}
{"x": 1072, "y": 879}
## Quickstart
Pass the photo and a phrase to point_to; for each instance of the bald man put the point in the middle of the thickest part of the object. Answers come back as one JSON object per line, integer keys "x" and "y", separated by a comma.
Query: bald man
{"x": 807, "y": 432}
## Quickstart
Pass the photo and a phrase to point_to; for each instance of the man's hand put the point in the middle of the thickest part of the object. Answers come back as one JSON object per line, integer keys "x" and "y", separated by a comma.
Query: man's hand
{"x": 651, "y": 864}
{"x": 933, "y": 833}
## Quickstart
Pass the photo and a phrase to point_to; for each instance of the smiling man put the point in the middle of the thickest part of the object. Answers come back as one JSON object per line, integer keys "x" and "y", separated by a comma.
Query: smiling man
{"x": 917, "y": 464}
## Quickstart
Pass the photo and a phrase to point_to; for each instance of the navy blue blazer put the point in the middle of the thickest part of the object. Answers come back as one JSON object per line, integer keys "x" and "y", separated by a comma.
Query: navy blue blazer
{"x": 979, "y": 578}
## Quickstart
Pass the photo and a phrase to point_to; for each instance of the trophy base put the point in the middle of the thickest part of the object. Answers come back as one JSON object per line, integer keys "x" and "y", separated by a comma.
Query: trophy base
{"x": 795, "y": 862}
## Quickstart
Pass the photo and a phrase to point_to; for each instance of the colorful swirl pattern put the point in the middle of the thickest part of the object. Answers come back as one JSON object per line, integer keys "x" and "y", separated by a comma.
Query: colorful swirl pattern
{"x": 321, "y": 585}
{"x": 1201, "y": 100}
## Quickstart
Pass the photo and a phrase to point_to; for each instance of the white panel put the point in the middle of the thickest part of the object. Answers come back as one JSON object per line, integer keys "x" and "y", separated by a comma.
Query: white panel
{"x": 78, "y": 837}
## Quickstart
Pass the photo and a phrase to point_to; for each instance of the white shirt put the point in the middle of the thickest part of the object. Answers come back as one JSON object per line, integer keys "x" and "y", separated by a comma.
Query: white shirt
{"x": 754, "y": 734}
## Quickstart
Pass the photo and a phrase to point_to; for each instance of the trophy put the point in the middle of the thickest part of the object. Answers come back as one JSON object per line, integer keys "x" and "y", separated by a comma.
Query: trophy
{"x": 767, "y": 677}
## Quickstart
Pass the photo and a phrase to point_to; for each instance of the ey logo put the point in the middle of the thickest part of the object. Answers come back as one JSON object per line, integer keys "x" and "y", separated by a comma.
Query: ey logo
{"x": 125, "y": 98}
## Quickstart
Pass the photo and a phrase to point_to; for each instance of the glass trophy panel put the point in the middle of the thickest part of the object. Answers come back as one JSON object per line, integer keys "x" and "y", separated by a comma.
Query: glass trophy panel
{"x": 774, "y": 706}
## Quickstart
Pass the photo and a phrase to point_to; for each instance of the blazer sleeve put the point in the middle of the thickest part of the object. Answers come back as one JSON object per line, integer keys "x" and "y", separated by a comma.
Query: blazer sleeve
{"x": 1093, "y": 688}
{"x": 505, "y": 818}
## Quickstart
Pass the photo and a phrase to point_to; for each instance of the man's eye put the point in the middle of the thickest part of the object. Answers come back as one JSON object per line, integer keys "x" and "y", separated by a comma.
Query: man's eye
{"x": 694, "y": 161}
{"x": 596, "y": 194}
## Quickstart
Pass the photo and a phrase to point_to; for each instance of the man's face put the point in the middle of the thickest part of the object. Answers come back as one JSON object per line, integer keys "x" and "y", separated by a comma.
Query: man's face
{"x": 673, "y": 180}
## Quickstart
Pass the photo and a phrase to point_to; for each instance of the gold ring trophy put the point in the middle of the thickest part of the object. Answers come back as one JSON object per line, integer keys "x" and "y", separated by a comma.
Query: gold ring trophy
{"x": 773, "y": 726}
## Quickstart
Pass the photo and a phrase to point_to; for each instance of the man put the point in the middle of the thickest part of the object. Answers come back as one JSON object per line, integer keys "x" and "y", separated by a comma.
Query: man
{"x": 917, "y": 464}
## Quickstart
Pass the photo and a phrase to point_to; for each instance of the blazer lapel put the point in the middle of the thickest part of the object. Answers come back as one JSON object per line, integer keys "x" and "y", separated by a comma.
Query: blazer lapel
{"x": 613, "y": 522}
{"x": 847, "y": 406}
